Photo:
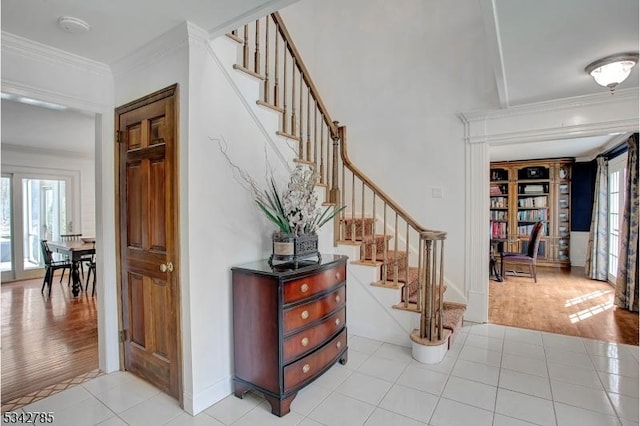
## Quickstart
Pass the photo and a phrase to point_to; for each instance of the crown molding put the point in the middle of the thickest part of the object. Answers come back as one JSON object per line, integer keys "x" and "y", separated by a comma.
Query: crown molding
{"x": 599, "y": 99}
{"x": 77, "y": 103}
{"x": 587, "y": 115}
{"x": 31, "y": 150}
{"x": 36, "y": 51}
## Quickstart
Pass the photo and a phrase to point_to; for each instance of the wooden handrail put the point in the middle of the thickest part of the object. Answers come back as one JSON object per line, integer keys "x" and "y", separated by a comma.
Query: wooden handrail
{"x": 305, "y": 72}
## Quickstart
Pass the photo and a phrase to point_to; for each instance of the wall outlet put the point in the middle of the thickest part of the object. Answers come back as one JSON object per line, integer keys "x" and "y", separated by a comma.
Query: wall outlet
{"x": 436, "y": 192}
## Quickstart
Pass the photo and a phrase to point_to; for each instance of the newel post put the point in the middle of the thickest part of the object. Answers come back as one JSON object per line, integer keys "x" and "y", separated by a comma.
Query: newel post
{"x": 334, "y": 192}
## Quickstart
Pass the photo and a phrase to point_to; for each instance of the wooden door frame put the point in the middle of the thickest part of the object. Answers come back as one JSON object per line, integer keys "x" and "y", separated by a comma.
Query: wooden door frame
{"x": 170, "y": 91}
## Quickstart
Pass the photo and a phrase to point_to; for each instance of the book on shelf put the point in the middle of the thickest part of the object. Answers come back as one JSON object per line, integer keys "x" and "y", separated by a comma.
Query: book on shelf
{"x": 495, "y": 190}
{"x": 498, "y": 229}
{"x": 533, "y": 202}
{"x": 533, "y": 189}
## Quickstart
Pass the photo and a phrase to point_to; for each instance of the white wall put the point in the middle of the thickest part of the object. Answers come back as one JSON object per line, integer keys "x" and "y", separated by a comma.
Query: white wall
{"x": 396, "y": 74}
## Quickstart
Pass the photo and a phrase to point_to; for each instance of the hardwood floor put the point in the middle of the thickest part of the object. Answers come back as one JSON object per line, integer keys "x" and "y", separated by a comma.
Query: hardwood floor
{"x": 45, "y": 341}
{"x": 563, "y": 302}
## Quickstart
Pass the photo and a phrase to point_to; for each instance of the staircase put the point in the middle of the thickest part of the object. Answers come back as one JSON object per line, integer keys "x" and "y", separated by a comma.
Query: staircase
{"x": 382, "y": 240}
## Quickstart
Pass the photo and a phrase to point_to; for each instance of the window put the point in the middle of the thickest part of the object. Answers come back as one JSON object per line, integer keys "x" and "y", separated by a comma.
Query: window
{"x": 33, "y": 207}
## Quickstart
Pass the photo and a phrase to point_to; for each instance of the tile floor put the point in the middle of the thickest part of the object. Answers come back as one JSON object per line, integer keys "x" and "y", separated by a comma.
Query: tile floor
{"x": 493, "y": 375}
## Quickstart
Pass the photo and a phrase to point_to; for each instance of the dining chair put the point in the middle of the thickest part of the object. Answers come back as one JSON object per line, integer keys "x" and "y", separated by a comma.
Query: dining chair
{"x": 51, "y": 266}
{"x": 529, "y": 259}
{"x": 84, "y": 259}
{"x": 91, "y": 268}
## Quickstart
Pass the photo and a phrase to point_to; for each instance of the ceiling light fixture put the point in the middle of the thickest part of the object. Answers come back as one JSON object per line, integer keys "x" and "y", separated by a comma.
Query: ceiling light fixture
{"x": 612, "y": 70}
{"x": 73, "y": 25}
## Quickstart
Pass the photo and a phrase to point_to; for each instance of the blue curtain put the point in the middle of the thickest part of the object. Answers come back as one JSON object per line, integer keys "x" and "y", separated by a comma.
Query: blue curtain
{"x": 627, "y": 276}
{"x": 597, "y": 264}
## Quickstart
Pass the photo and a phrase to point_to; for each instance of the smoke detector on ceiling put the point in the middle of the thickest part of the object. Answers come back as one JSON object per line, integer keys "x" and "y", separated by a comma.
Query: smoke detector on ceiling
{"x": 73, "y": 25}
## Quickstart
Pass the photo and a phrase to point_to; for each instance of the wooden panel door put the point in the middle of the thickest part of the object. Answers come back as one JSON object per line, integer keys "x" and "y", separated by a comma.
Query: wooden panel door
{"x": 147, "y": 159}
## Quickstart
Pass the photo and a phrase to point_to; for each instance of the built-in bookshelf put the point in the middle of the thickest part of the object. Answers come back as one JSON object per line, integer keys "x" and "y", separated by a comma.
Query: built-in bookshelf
{"x": 522, "y": 193}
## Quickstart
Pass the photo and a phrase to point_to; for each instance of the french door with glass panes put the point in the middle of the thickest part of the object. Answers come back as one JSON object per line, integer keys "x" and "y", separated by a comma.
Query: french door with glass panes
{"x": 33, "y": 208}
{"x": 617, "y": 179}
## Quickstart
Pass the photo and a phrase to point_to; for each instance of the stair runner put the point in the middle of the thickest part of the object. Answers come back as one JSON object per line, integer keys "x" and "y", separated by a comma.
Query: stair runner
{"x": 453, "y": 313}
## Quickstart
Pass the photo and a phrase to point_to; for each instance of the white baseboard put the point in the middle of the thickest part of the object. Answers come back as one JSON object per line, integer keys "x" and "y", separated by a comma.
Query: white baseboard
{"x": 194, "y": 404}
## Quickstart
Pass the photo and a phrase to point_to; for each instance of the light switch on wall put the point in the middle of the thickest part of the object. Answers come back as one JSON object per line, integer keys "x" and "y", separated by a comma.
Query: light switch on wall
{"x": 436, "y": 192}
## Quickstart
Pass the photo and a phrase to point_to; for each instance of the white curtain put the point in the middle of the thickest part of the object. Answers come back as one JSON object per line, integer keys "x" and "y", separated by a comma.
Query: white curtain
{"x": 597, "y": 264}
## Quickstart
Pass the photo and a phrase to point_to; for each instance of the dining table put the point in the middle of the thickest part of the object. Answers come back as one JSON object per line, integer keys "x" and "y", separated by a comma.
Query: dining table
{"x": 75, "y": 250}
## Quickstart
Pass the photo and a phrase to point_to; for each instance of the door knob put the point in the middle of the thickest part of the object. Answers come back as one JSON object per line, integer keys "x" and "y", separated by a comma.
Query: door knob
{"x": 164, "y": 267}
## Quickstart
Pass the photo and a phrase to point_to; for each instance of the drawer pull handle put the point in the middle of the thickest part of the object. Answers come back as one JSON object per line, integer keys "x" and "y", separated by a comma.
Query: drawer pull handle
{"x": 339, "y": 344}
{"x": 304, "y": 341}
{"x": 304, "y": 314}
{"x": 306, "y": 368}
{"x": 337, "y": 298}
{"x": 337, "y": 321}
{"x": 304, "y": 288}
{"x": 338, "y": 276}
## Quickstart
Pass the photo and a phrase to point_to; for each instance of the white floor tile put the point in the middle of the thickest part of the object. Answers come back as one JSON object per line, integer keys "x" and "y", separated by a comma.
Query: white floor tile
{"x": 158, "y": 409}
{"x": 483, "y": 356}
{"x": 381, "y": 417}
{"x": 620, "y": 384}
{"x": 445, "y": 366}
{"x": 333, "y": 377}
{"x": 537, "y": 367}
{"x": 525, "y": 407}
{"x": 261, "y": 415}
{"x": 126, "y": 394}
{"x": 621, "y": 367}
{"x": 521, "y": 335}
{"x": 525, "y": 383}
{"x": 571, "y": 416}
{"x": 113, "y": 421}
{"x": 341, "y": 410}
{"x": 490, "y": 330}
{"x": 309, "y": 398}
{"x": 581, "y": 396}
{"x": 484, "y": 342}
{"x": 453, "y": 413}
{"x": 384, "y": 369}
{"x": 600, "y": 348}
{"x": 309, "y": 422}
{"x": 356, "y": 359}
{"x": 424, "y": 380}
{"x": 577, "y": 376}
{"x": 103, "y": 383}
{"x": 471, "y": 393}
{"x": 530, "y": 350}
{"x": 574, "y": 359}
{"x": 502, "y": 420}
{"x": 364, "y": 388}
{"x": 568, "y": 343}
{"x": 394, "y": 353}
{"x": 60, "y": 400}
{"x": 477, "y": 372}
{"x": 410, "y": 402}
{"x": 232, "y": 408}
{"x": 87, "y": 412}
{"x": 627, "y": 407}
{"x": 362, "y": 344}
{"x": 186, "y": 419}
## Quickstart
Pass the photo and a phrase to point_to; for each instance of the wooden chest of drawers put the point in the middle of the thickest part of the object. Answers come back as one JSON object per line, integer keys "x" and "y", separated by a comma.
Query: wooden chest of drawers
{"x": 289, "y": 326}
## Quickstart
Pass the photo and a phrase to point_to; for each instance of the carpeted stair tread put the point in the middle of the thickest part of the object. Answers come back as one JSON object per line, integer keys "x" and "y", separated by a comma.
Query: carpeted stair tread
{"x": 452, "y": 318}
{"x": 358, "y": 223}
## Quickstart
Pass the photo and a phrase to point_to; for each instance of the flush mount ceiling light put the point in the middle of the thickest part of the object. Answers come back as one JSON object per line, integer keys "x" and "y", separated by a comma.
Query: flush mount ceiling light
{"x": 612, "y": 70}
{"x": 73, "y": 25}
